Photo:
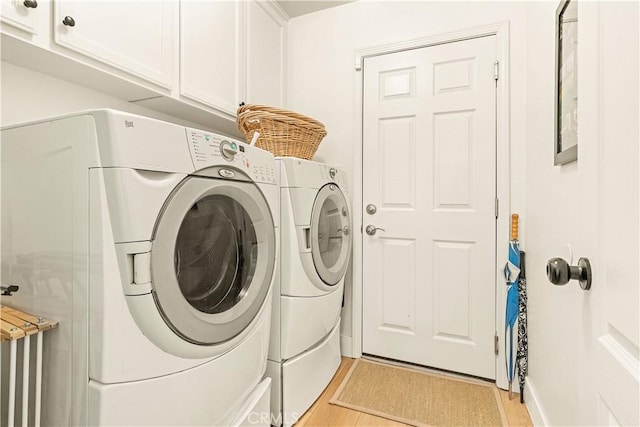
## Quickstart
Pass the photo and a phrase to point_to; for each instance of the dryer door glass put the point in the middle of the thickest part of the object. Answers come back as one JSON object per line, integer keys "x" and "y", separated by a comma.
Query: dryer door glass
{"x": 330, "y": 234}
{"x": 213, "y": 258}
{"x": 216, "y": 254}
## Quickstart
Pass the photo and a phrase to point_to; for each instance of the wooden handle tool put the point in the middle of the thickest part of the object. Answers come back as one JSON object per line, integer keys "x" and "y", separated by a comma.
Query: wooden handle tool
{"x": 514, "y": 226}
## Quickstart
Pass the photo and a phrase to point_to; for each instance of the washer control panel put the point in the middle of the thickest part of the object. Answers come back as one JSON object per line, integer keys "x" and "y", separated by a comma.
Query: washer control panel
{"x": 209, "y": 149}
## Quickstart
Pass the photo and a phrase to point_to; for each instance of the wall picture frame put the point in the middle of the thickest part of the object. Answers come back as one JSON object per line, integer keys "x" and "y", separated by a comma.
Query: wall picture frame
{"x": 566, "y": 83}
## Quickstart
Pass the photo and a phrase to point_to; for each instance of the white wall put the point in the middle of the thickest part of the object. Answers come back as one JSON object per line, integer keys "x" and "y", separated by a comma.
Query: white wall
{"x": 28, "y": 95}
{"x": 323, "y": 80}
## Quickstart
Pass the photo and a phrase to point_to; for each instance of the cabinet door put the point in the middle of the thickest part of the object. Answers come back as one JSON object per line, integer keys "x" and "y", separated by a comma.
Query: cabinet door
{"x": 135, "y": 36}
{"x": 211, "y": 60}
{"x": 265, "y": 54}
{"x": 24, "y": 15}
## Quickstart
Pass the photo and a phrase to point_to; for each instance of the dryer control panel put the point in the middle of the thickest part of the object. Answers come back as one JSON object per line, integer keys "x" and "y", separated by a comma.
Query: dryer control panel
{"x": 331, "y": 173}
{"x": 300, "y": 173}
{"x": 209, "y": 149}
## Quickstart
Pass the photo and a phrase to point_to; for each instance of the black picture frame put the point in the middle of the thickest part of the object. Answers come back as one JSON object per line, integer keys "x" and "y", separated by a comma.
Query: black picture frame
{"x": 566, "y": 83}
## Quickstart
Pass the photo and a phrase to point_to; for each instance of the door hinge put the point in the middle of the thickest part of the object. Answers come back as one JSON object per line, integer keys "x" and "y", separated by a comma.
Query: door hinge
{"x": 496, "y": 70}
{"x": 497, "y": 207}
{"x": 495, "y": 344}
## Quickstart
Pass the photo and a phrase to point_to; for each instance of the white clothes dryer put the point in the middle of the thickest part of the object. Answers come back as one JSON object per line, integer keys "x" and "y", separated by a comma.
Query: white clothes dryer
{"x": 314, "y": 255}
{"x": 155, "y": 246}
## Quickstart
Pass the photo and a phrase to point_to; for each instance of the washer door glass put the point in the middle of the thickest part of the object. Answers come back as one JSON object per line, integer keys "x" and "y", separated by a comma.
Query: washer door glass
{"x": 215, "y": 254}
{"x": 330, "y": 234}
{"x": 213, "y": 258}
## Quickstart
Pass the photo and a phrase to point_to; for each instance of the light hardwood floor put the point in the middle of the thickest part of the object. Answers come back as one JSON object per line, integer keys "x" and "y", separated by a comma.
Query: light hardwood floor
{"x": 324, "y": 414}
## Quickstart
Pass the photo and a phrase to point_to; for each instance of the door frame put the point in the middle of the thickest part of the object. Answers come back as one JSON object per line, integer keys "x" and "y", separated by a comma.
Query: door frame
{"x": 501, "y": 32}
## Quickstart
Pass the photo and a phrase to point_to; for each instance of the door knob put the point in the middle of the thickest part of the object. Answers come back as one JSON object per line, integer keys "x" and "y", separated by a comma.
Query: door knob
{"x": 32, "y": 4}
{"x": 371, "y": 229}
{"x": 559, "y": 272}
{"x": 371, "y": 208}
{"x": 69, "y": 21}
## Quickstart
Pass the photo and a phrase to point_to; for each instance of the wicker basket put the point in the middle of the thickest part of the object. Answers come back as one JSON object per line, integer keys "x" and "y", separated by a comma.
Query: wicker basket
{"x": 282, "y": 132}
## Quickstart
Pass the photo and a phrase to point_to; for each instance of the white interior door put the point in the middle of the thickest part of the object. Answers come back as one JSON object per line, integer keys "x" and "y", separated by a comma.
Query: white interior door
{"x": 429, "y": 168}
{"x": 616, "y": 287}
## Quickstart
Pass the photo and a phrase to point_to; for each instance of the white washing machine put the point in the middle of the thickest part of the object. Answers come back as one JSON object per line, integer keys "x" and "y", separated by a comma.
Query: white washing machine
{"x": 314, "y": 255}
{"x": 155, "y": 246}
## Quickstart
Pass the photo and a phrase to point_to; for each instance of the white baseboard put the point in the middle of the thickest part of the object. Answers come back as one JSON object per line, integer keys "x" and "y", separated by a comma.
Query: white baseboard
{"x": 346, "y": 346}
{"x": 533, "y": 405}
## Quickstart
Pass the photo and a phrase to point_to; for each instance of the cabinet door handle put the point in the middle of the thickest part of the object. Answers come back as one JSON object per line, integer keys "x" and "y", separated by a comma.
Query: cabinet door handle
{"x": 69, "y": 21}
{"x": 30, "y": 4}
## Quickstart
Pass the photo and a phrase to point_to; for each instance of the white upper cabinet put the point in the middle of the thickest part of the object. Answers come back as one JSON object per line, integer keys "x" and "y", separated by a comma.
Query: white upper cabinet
{"x": 266, "y": 35}
{"x": 24, "y": 15}
{"x": 138, "y": 37}
{"x": 230, "y": 52}
{"x": 194, "y": 59}
{"x": 211, "y": 53}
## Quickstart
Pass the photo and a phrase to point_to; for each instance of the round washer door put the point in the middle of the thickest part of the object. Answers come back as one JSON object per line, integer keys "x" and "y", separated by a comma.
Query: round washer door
{"x": 330, "y": 234}
{"x": 212, "y": 258}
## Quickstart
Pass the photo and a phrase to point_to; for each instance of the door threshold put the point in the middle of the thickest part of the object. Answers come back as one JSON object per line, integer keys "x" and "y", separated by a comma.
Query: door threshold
{"x": 427, "y": 369}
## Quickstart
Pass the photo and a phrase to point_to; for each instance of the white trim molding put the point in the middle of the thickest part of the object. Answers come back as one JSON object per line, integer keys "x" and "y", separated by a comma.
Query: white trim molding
{"x": 533, "y": 406}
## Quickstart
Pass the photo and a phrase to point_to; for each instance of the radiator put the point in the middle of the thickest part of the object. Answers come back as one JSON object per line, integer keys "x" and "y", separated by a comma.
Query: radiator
{"x": 20, "y": 328}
